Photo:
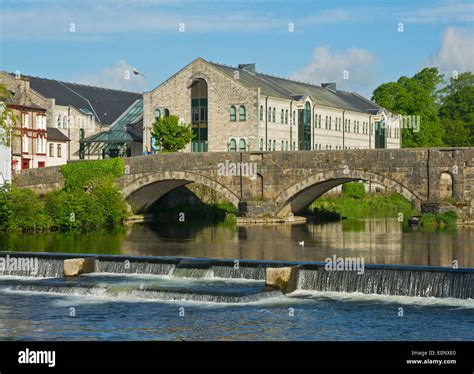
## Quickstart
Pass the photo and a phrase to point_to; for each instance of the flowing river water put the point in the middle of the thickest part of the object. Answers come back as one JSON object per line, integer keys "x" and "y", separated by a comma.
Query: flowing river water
{"x": 161, "y": 301}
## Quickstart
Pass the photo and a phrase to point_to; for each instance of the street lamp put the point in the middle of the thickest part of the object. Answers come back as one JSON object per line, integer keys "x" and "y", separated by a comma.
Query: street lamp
{"x": 145, "y": 132}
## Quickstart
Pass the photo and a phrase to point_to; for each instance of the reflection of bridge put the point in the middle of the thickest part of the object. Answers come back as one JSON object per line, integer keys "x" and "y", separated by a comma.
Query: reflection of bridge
{"x": 289, "y": 181}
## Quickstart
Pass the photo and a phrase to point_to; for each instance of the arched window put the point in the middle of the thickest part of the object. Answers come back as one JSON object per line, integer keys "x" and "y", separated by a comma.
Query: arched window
{"x": 81, "y": 134}
{"x": 269, "y": 144}
{"x": 157, "y": 113}
{"x": 286, "y": 116}
{"x": 233, "y": 114}
{"x": 167, "y": 112}
{"x": 242, "y": 115}
{"x": 59, "y": 121}
{"x": 269, "y": 114}
{"x": 242, "y": 145}
{"x": 274, "y": 145}
{"x": 282, "y": 145}
{"x": 232, "y": 145}
{"x": 273, "y": 114}
{"x": 261, "y": 112}
{"x": 261, "y": 144}
{"x": 282, "y": 119}
{"x": 286, "y": 145}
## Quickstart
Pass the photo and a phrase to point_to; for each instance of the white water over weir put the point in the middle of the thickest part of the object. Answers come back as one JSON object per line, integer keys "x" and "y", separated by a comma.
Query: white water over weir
{"x": 376, "y": 279}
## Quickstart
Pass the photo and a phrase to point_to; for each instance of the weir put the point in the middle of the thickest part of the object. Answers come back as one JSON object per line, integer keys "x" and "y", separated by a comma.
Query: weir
{"x": 396, "y": 280}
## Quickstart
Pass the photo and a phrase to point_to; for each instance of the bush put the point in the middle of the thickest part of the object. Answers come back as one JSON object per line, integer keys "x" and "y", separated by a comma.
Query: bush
{"x": 78, "y": 175}
{"x": 354, "y": 190}
{"x": 27, "y": 211}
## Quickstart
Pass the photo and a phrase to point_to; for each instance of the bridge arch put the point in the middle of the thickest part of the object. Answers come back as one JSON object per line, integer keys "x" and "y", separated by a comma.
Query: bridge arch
{"x": 142, "y": 192}
{"x": 301, "y": 194}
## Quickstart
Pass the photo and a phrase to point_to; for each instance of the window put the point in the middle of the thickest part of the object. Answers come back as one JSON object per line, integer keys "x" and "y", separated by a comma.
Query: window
{"x": 286, "y": 145}
{"x": 59, "y": 121}
{"x": 273, "y": 114}
{"x": 59, "y": 153}
{"x": 261, "y": 144}
{"x": 261, "y": 112}
{"x": 81, "y": 134}
{"x": 319, "y": 121}
{"x": 294, "y": 117}
{"x": 25, "y": 142}
{"x": 233, "y": 114}
{"x": 242, "y": 115}
{"x": 232, "y": 145}
{"x": 167, "y": 112}
{"x": 51, "y": 150}
{"x": 274, "y": 145}
{"x": 326, "y": 123}
{"x": 26, "y": 120}
{"x": 330, "y": 120}
{"x": 157, "y": 113}
{"x": 282, "y": 145}
{"x": 65, "y": 122}
{"x": 242, "y": 145}
{"x": 294, "y": 146}
{"x": 286, "y": 116}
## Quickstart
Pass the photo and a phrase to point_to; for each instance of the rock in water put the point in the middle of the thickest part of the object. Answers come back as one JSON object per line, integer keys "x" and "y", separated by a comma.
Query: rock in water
{"x": 76, "y": 266}
{"x": 285, "y": 278}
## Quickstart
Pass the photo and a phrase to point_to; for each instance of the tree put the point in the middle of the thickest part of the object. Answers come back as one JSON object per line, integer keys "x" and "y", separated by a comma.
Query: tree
{"x": 457, "y": 110}
{"x": 170, "y": 135}
{"x": 415, "y": 96}
{"x": 7, "y": 118}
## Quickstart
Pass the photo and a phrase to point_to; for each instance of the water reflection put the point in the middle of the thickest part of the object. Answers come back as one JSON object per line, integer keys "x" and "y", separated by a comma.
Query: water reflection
{"x": 382, "y": 241}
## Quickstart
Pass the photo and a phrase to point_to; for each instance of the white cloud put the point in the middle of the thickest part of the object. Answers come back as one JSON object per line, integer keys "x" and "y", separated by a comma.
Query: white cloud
{"x": 119, "y": 76}
{"x": 327, "y": 66}
{"x": 456, "y": 51}
{"x": 443, "y": 13}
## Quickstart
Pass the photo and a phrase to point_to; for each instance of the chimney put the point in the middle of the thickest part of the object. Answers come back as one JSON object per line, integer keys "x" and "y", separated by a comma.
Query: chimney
{"x": 329, "y": 86}
{"x": 249, "y": 68}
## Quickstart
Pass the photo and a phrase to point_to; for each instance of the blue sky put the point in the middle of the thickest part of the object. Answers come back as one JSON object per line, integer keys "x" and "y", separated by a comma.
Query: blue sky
{"x": 330, "y": 41}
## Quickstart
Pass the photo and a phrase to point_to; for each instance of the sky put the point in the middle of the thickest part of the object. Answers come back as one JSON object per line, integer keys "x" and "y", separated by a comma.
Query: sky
{"x": 357, "y": 44}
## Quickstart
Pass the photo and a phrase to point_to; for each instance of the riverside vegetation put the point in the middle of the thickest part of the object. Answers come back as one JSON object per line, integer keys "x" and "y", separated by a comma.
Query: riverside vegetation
{"x": 89, "y": 200}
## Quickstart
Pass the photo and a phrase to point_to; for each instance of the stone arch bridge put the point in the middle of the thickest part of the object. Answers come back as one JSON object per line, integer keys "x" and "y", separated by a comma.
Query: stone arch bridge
{"x": 279, "y": 183}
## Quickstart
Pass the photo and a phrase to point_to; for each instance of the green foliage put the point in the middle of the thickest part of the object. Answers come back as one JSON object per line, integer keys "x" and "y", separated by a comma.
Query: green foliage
{"x": 447, "y": 113}
{"x": 78, "y": 175}
{"x": 89, "y": 200}
{"x": 7, "y": 118}
{"x": 355, "y": 190}
{"x": 457, "y": 111}
{"x": 444, "y": 220}
{"x": 27, "y": 211}
{"x": 6, "y": 209}
{"x": 170, "y": 135}
{"x": 418, "y": 95}
{"x": 370, "y": 205}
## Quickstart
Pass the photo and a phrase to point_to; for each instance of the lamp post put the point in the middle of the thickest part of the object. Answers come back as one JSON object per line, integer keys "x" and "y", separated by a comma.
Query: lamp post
{"x": 145, "y": 132}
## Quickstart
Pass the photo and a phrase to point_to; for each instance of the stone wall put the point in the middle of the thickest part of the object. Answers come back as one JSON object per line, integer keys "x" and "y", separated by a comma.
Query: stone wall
{"x": 288, "y": 181}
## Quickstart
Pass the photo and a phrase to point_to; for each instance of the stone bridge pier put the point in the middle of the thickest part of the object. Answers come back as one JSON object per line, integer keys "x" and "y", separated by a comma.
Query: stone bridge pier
{"x": 279, "y": 183}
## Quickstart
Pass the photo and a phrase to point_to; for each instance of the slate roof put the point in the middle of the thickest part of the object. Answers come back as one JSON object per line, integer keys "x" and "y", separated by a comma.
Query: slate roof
{"x": 105, "y": 103}
{"x": 290, "y": 89}
{"x": 54, "y": 134}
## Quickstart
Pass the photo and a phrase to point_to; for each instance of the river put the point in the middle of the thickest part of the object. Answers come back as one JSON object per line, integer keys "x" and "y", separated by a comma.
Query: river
{"x": 170, "y": 306}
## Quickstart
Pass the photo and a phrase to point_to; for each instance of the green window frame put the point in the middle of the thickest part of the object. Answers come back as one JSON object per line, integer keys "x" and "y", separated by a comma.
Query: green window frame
{"x": 242, "y": 113}
{"x": 233, "y": 113}
{"x": 232, "y": 145}
{"x": 242, "y": 145}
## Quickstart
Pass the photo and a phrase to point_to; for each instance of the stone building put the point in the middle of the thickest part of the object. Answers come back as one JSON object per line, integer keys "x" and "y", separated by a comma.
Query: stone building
{"x": 78, "y": 111}
{"x": 240, "y": 109}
